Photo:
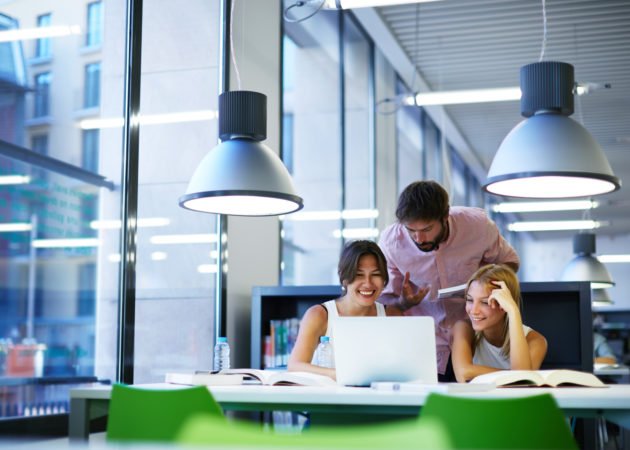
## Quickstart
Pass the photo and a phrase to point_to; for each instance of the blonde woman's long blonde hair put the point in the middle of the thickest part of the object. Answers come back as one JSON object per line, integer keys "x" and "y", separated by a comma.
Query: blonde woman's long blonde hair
{"x": 498, "y": 272}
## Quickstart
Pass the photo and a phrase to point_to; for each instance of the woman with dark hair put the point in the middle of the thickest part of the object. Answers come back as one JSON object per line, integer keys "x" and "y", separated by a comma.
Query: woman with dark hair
{"x": 494, "y": 337}
{"x": 363, "y": 275}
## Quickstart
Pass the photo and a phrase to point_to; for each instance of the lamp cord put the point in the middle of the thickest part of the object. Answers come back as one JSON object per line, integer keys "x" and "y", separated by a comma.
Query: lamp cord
{"x": 299, "y": 4}
{"x": 544, "y": 38}
{"x": 232, "y": 53}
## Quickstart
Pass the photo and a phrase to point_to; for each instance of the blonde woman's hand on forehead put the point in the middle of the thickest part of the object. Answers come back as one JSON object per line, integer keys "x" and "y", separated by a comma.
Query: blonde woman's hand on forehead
{"x": 501, "y": 297}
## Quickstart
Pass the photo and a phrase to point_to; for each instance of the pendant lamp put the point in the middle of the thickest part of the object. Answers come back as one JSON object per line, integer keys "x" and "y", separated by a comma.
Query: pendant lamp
{"x": 242, "y": 176}
{"x": 549, "y": 155}
{"x": 585, "y": 267}
{"x": 600, "y": 297}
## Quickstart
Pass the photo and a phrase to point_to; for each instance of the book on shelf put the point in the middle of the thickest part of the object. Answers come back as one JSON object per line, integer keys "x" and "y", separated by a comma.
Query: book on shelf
{"x": 444, "y": 388}
{"x": 203, "y": 379}
{"x": 278, "y": 344}
{"x": 539, "y": 378}
{"x": 453, "y": 291}
{"x": 281, "y": 377}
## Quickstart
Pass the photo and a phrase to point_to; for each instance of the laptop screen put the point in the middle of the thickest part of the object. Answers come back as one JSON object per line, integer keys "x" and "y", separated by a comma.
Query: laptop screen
{"x": 371, "y": 349}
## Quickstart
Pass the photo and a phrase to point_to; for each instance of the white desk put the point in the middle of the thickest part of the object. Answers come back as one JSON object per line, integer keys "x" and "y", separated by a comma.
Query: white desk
{"x": 611, "y": 403}
{"x": 611, "y": 370}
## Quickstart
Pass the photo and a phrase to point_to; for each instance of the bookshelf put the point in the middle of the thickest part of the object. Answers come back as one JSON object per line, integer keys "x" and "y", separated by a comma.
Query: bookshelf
{"x": 281, "y": 303}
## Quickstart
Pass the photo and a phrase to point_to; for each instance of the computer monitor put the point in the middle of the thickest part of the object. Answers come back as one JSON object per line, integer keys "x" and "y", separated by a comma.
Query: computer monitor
{"x": 561, "y": 311}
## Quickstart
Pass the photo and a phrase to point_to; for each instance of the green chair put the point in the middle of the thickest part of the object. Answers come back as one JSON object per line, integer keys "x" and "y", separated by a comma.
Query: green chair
{"x": 405, "y": 434}
{"x": 140, "y": 414}
{"x": 523, "y": 423}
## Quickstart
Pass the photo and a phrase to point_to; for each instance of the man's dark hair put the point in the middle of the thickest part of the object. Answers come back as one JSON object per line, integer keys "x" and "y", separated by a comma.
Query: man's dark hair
{"x": 422, "y": 200}
{"x": 349, "y": 260}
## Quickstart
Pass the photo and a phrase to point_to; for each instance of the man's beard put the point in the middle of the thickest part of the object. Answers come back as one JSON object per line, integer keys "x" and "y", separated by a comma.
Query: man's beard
{"x": 430, "y": 246}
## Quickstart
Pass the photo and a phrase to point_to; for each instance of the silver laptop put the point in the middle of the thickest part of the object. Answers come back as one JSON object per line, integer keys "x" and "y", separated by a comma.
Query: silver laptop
{"x": 371, "y": 349}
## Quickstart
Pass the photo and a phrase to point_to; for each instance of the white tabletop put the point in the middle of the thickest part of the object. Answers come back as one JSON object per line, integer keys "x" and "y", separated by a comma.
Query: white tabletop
{"x": 616, "y": 396}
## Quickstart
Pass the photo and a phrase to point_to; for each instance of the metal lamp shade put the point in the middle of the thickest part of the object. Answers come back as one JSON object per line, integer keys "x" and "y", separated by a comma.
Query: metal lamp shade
{"x": 241, "y": 177}
{"x": 550, "y": 156}
{"x": 587, "y": 268}
{"x": 600, "y": 297}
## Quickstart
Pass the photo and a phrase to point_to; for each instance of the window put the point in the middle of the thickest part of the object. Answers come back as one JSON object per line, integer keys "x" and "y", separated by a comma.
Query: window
{"x": 459, "y": 180}
{"x": 60, "y": 282}
{"x": 313, "y": 142}
{"x": 90, "y": 150}
{"x": 409, "y": 134}
{"x": 41, "y": 107}
{"x": 94, "y": 35}
{"x": 358, "y": 153}
{"x": 39, "y": 144}
{"x": 43, "y": 48}
{"x": 92, "y": 86}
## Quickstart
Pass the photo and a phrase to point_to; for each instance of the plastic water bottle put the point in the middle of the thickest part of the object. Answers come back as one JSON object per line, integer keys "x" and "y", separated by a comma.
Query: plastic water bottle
{"x": 325, "y": 356}
{"x": 221, "y": 354}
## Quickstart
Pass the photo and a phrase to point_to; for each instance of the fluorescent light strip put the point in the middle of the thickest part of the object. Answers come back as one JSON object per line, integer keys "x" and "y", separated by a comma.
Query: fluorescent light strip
{"x": 463, "y": 96}
{"x": 12, "y": 227}
{"x": 349, "y": 4}
{"x": 207, "y": 268}
{"x": 347, "y": 214}
{"x": 555, "y": 225}
{"x": 150, "y": 119}
{"x": 14, "y": 179}
{"x": 142, "y": 223}
{"x": 159, "y": 256}
{"x": 24, "y": 34}
{"x": 184, "y": 239}
{"x": 614, "y": 258}
{"x": 66, "y": 243}
{"x": 356, "y": 233}
{"x": 569, "y": 205}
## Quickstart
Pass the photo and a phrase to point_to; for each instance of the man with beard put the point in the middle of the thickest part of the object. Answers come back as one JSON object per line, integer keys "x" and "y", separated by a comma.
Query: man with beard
{"x": 432, "y": 247}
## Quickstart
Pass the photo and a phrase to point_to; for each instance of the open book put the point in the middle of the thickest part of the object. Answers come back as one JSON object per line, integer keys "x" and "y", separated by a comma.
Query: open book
{"x": 203, "y": 379}
{"x": 542, "y": 378}
{"x": 453, "y": 291}
{"x": 281, "y": 377}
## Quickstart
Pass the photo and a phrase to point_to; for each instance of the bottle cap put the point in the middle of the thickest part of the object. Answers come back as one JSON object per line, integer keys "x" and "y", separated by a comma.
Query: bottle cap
{"x": 324, "y": 339}
{"x": 222, "y": 339}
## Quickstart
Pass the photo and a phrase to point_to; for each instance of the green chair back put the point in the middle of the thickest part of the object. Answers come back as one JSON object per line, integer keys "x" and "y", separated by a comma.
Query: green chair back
{"x": 533, "y": 422}
{"x": 141, "y": 414}
{"x": 407, "y": 434}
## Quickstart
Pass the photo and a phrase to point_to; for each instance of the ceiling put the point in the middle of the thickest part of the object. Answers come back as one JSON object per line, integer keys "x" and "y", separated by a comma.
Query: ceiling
{"x": 469, "y": 44}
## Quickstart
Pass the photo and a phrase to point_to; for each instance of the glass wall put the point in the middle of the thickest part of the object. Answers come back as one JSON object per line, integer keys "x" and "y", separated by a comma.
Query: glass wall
{"x": 312, "y": 143}
{"x": 61, "y": 159}
{"x": 177, "y": 259}
{"x": 409, "y": 140}
{"x": 57, "y": 274}
{"x": 358, "y": 152}
{"x": 328, "y": 143}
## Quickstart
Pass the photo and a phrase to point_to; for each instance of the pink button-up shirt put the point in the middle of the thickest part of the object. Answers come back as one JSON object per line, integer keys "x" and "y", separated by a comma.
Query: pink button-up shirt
{"x": 474, "y": 240}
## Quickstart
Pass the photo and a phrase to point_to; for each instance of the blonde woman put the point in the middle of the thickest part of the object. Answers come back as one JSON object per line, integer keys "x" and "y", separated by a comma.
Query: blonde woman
{"x": 494, "y": 338}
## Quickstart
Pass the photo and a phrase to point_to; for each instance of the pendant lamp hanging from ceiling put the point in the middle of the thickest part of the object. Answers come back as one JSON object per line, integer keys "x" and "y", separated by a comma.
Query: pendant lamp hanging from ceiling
{"x": 241, "y": 176}
{"x": 549, "y": 155}
{"x": 600, "y": 297}
{"x": 585, "y": 266}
